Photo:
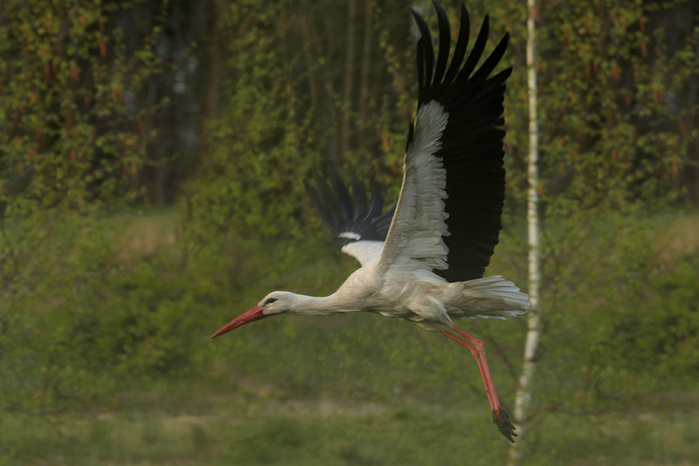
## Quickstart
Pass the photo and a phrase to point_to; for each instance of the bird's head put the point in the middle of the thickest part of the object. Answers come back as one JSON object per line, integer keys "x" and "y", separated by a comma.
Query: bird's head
{"x": 277, "y": 302}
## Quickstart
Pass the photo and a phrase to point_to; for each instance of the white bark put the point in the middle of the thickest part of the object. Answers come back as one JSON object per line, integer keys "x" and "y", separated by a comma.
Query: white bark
{"x": 524, "y": 391}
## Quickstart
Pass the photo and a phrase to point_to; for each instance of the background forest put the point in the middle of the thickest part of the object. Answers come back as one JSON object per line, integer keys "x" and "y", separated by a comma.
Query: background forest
{"x": 151, "y": 158}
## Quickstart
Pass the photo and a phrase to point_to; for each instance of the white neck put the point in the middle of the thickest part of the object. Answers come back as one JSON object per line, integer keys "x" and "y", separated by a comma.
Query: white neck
{"x": 325, "y": 305}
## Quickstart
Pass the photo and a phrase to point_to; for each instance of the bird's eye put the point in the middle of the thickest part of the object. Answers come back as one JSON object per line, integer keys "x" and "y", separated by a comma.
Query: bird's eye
{"x": 269, "y": 301}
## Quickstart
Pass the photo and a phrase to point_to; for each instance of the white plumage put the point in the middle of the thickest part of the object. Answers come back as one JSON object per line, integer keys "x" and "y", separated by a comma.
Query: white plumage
{"x": 426, "y": 265}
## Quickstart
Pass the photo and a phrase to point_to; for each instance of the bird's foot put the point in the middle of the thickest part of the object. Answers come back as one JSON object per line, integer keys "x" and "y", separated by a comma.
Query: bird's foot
{"x": 501, "y": 418}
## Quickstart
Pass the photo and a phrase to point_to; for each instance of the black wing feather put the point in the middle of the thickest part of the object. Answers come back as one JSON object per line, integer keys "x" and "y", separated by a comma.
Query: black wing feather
{"x": 461, "y": 45}
{"x": 360, "y": 205}
{"x": 349, "y": 218}
{"x": 472, "y": 142}
{"x": 444, "y": 43}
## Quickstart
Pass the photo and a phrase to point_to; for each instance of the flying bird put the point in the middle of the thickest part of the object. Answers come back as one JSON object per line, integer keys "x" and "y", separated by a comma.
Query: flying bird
{"x": 424, "y": 259}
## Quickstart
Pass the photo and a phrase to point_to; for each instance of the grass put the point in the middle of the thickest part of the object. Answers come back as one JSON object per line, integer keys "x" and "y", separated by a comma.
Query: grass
{"x": 354, "y": 390}
{"x": 223, "y": 429}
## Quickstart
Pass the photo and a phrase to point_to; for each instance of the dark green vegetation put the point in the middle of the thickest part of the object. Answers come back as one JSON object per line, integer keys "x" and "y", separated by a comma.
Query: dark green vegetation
{"x": 107, "y": 303}
{"x": 114, "y": 363}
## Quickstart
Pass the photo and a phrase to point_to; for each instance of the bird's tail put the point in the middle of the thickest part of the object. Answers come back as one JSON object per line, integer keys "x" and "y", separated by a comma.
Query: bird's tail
{"x": 493, "y": 297}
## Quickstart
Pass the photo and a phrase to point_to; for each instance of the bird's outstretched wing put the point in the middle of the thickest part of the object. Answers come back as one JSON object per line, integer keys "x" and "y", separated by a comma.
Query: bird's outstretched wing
{"x": 448, "y": 214}
{"x": 358, "y": 226}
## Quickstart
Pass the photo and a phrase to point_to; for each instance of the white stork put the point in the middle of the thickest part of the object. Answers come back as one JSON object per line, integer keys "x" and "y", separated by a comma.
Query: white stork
{"x": 424, "y": 259}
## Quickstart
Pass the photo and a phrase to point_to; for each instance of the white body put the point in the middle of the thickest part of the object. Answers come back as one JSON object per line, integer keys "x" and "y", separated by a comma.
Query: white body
{"x": 419, "y": 296}
{"x": 396, "y": 278}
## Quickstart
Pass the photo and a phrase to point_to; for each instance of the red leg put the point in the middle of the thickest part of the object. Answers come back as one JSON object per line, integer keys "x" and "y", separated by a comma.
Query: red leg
{"x": 476, "y": 347}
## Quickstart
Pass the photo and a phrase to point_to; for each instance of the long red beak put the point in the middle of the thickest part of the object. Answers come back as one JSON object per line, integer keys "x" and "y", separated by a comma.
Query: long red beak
{"x": 253, "y": 314}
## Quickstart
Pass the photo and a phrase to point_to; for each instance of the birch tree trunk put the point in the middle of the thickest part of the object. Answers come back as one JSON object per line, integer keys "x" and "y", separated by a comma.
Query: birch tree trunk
{"x": 524, "y": 391}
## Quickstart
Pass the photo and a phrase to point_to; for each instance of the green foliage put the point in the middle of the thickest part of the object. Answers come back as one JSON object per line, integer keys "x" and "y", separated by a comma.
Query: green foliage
{"x": 614, "y": 121}
{"x": 94, "y": 303}
{"x": 614, "y": 102}
{"x": 620, "y": 316}
{"x": 262, "y": 140}
{"x": 71, "y": 137}
{"x": 281, "y": 117}
{"x": 613, "y": 114}
{"x": 71, "y": 140}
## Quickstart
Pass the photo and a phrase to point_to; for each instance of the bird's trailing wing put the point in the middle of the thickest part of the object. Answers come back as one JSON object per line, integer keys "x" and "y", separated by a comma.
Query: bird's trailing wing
{"x": 357, "y": 224}
{"x": 448, "y": 214}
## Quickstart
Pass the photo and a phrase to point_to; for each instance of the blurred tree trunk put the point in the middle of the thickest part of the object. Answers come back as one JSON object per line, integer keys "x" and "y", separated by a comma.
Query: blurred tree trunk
{"x": 366, "y": 62}
{"x": 209, "y": 36}
{"x": 349, "y": 77}
{"x": 310, "y": 55}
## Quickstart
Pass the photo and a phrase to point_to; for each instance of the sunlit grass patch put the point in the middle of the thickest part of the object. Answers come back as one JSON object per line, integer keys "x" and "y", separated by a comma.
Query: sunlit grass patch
{"x": 331, "y": 432}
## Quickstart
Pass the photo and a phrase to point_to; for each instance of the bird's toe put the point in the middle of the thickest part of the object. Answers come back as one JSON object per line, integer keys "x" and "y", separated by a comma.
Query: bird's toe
{"x": 502, "y": 419}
